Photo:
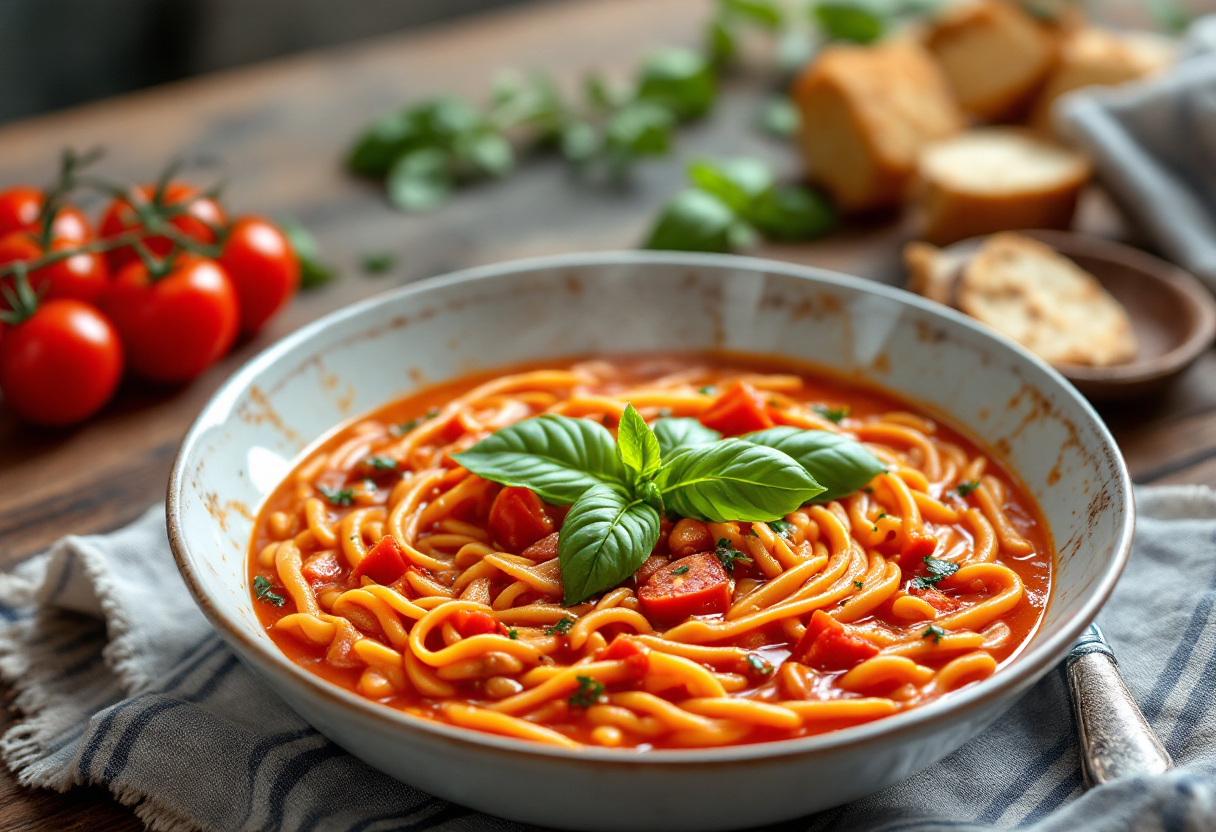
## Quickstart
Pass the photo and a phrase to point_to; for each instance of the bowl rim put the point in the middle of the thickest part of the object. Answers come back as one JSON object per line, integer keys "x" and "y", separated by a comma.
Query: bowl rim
{"x": 1030, "y": 663}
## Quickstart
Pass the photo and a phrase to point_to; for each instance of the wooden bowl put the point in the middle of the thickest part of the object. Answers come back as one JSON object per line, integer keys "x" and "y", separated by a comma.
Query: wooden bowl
{"x": 1172, "y": 314}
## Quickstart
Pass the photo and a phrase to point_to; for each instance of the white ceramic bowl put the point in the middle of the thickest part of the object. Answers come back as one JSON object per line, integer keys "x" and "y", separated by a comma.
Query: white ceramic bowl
{"x": 370, "y": 353}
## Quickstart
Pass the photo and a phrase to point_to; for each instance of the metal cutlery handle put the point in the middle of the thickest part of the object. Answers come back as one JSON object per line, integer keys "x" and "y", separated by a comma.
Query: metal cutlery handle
{"x": 1115, "y": 738}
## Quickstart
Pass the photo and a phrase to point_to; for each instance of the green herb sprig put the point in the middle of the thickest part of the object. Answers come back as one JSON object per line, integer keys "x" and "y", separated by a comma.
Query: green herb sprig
{"x": 262, "y": 591}
{"x": 590, "y": 691}
{"x": 619, "y": 490}
{"x": 734, "y": 202}
{"x": 938, "y": 571}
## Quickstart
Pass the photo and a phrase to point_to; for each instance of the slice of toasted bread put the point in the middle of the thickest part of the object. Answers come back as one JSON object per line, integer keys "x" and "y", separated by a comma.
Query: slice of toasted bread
{"x": 997, "y": 179}
{"x": 1091, "y": 57}
{"x": 995, "y": 56}
{"x": 930, "y": 274}
{"x": 1045, "y": 302}
{"x": 867, "y": 112}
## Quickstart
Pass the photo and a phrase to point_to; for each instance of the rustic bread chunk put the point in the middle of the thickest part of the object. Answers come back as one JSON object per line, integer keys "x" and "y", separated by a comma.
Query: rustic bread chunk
{"x": 930, "y": 274}
{"x": 995, "y": 57}
{"x": 1098, "y": 57}
{"x": 997, "y": 179}
{"x": 866, "y": 114}
{"x": 1045, "y": 302}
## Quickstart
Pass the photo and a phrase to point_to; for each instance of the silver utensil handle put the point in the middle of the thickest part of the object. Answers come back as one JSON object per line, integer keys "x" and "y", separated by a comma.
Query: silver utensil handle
{"x": 1115, "y": 738}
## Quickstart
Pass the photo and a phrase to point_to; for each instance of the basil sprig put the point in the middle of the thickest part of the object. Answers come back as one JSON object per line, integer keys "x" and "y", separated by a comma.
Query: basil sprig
{"x": 618, "y": 491}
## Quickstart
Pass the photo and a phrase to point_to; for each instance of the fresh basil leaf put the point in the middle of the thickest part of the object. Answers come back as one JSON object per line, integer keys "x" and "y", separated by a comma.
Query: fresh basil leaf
{"x": 679, "y": 79}
{"x": 737, "y": 182}
{"x": 693, "y": 220}
{"x": 734, "y": 480}
{"x": 842, "y": 465}
{"x": 378, "y": 262}
{"x": 557, "y": 457}
{"x": 579, "y": 142}
{"x": 637, "y": 445}
{"x": 484, "y": 153}
{"x": 313, "y": 272}
{"x": 382, "y": 142}
{"x": 850, "y": 20}
{"x": 764, "y": 13}
{"x": 721, "y": 41}
{"x": 604, "y": 539}
{"x": 420, "y": 180}
{"x": 676, "y": 434}
{"x": 642, "y": 128}
{"x": 780, "y": 117}
{"x": 791, "y": 212}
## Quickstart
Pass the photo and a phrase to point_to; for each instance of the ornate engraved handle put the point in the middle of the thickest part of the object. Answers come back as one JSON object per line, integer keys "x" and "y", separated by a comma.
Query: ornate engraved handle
{"x": 1115, "y": 738}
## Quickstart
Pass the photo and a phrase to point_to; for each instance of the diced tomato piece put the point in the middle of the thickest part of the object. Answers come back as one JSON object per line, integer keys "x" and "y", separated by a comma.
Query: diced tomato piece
{"x": 518, "y": 519}
{"x": 384, "y": 564}
{"x": 661, "y": 546}
{"x": 695, "y": 585}
{"x": 474, "y": 622}
{"x": 322, "y": 567}
{"x": 557, "y": 514}
{"x": 622, "y": 647}
{"x": 651, "y": 565}
{"x": 918, "y": 547}
{"x": 689, "y": 537}
{"x": 740, "y": 409}
{"x": 827, "y": 645}
{"x": 543, "y": 549}
{"x": 937, "y": 599}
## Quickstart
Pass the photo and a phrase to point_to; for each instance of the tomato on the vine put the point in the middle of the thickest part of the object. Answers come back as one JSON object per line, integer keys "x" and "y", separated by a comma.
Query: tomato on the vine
{"x": 263, "y": 268}
{"x": 83, "y": 275}
{"x": 173, "y": 327}
{"x": 60, "y": 364}
{"x": 200, "y": 217}
{"x": 20, "y": 207}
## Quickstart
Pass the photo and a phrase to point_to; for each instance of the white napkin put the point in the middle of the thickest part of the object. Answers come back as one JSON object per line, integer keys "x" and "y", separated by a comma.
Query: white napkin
{"x": 124, "y": 683}
{"x": 1153, "y": 144}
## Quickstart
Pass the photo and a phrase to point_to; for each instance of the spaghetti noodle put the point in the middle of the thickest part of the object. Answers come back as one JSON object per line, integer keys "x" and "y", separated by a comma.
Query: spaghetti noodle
{"x": 386, "y": 566}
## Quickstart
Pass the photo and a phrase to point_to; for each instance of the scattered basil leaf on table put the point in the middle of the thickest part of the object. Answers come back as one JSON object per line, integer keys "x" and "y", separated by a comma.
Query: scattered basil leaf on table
{"x": 681, "y": 80}
{"x": 850, "y": 20}
{"x": 313, "y": 272}
{"x": 780, "y": 117}
{"x": 792, "y": 212}
{"x": 767, "y": 14}
{"x": 676, "y": 433}
{"x": 841, "y": 463}
{"x": 378, "y": 262}
{"x": 736, "y": 182}
{"x": 696, "y": 221}
{"x": 420, "y": 180}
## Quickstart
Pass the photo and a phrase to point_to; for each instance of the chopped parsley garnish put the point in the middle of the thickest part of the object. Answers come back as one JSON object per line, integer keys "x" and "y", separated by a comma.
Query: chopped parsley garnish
{"x": 728, "y": 554}
{"x": 381, "y": 463}
{"x": 859, "y": 584}
{"x": 512, "y": 634}
{"x": 938, "y": 570}
{"x": 881, "y": 514}
{"x": 679, "y": 570}
{"x": 560, "y": 628}
{"x": 965, "y": 488}
{"x": 589, "y": 692}
{"x": 407, "y": 426}
{"x": 261, "y": 589}
{"x": 337, "y": 497}
{"x": 708, "y": 390}
{"x": 935, "y": 631}
{"x": 759, "y": 665}
{"x": 832, "y": 414}
{"x": 781, "y": 527}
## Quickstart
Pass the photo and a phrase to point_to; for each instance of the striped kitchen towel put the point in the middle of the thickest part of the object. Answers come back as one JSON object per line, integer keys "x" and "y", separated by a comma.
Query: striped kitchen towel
{"x": 123, "y": 683}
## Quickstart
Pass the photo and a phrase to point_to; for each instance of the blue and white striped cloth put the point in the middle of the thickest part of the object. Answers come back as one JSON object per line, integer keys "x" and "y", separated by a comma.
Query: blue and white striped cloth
{"x": 124, "y": 683}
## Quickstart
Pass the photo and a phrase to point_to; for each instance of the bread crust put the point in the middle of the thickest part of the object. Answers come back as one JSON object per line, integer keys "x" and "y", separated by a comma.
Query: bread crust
{"x": 958, "y": 204}
{"x": 867, "y": 112}
{"x": 995, "y": 57}
{"x": 1043, "y": 300}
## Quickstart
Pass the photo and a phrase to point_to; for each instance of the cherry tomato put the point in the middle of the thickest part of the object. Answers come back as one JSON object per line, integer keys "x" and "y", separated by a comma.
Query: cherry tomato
{"x": 200, "y": 216}
{"x": 19, "y": 209}
{"x": 83, "y": 276}
{"x": 60, "y": 365}
{"x": 263, "y": 269}
{"x": 176, "y": 326}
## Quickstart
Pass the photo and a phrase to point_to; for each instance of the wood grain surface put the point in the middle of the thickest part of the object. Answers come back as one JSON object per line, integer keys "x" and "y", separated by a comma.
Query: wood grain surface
{"x": 281, "y": 130}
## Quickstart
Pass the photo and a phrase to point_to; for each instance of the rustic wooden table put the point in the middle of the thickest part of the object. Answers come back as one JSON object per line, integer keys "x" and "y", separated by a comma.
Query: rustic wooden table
{"x": 282, "y": 129}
